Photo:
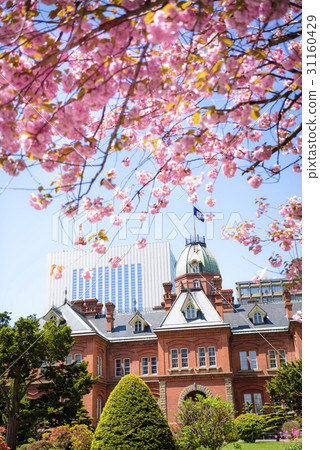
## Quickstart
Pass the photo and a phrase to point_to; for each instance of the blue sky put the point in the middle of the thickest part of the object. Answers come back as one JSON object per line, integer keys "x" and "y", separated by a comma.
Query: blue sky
{"x": 27, "y": 235}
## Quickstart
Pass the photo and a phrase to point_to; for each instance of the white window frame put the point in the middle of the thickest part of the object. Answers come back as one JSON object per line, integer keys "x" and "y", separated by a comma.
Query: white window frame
{"x": 138, "y": 326}
{"x": 202, "y": 359}
{"x": 196, "y": 283}
{"x": 126, "y": 366}
{"x": 272, "y": 359}
{"x": 244, "y": 361}
{"x": 145, "y": 365}
{"x": 184, "y": 354}
{"x": 174, "y": 358}
{"x": 253, "y": 359}
{"x": 117, "y": 368}
{"x": 257, "y": 400}
{"x": 99, "y": 408}
{"x": 282, "y": 357}
{"x": 257, "y": 318}
{"x": 68, "y": 360}
{"x": 77, "y": 358}
{"x": 248, "y": 399}
{"x": 212, "y": 356}
{"x": 195, "y": 268}
{"x": 191, "y": 311}
{"x": 99, "y": 366}
{"x": 153, "y": 365}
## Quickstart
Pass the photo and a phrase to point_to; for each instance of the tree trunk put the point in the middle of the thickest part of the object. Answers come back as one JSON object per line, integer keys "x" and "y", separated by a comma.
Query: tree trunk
{"x": 13, "y": 421}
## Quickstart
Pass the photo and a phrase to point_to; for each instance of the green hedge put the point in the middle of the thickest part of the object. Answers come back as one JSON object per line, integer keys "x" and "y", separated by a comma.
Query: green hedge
{"x": 250, "y": 426}
{"x": 132, "y": 419}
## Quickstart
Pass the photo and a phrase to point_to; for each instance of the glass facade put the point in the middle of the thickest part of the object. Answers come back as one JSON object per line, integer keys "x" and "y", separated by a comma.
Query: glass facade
{"x": 100, "y": 285}
{"x": 126, "y": 289}
{"x": 74, "y": 284}
{"x": 122, "y": 286}
{"x": 133, "y": 287}
{"x": 120, "y": 298}
{"x": 139, "y": 278}
{"x": 94, "y": 283}
{"x": 106, "y": 284}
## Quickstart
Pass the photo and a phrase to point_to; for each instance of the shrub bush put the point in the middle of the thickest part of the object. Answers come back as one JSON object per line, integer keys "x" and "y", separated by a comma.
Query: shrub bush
{"x": 290, "y": 425}
{"x": 81, "y": 437}
{"x": 132, "y": 419}
{"x": 40, "y": 445}
{"x": 204, "y": 423}
{"x": 249, "y": 426}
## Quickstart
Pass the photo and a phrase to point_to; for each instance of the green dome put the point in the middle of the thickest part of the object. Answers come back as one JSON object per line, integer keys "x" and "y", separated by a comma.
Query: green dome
{"x": 196, "y": 252}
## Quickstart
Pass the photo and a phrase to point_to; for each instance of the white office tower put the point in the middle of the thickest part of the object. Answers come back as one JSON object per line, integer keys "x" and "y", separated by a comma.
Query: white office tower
{"x": 135, "y": 284}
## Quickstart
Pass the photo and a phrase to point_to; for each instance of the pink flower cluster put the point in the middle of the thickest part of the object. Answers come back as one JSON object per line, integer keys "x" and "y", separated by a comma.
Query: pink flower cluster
{"x": 38, "y": 201}
{"x": 99, "y": 247}
{"x": 57, "y": 271}
{"x": 141, "y": 243}
{"x": 95, "y": 210}
{"x": 115, "y": 262}
{"x": 87, "y": 274}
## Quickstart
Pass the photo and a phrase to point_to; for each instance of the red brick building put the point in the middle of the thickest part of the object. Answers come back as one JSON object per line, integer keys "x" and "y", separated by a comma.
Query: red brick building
{"x": 196, "y": 341}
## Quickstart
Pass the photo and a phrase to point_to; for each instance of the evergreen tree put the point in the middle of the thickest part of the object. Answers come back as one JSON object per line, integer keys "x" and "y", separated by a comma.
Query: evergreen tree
{"x": 23, "y": 348}
{"x": 286, "y": 387}
{"x": 132, "y": 419}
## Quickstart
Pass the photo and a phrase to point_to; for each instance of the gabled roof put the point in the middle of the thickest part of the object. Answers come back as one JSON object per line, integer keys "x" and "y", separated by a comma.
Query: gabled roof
{"x": 77, "y": 321}
{"x": 175, "y": 318}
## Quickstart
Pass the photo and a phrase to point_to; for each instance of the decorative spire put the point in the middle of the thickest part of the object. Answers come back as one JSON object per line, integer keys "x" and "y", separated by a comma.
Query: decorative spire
{"x": 80, "y": 240}
{"x": 65, "y": 296}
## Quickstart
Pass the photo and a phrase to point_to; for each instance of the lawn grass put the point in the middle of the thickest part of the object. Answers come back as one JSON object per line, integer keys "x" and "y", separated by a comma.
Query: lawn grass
{"x": 267, "y": 445}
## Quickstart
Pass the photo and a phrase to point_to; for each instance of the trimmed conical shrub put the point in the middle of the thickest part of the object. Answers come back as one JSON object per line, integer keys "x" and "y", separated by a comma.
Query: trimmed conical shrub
{"x": 132, "y": 419}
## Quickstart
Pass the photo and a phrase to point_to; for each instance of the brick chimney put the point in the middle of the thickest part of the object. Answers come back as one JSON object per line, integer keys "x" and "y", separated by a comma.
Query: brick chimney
{"x": 219, "y": 304}
{"x": 168, "y": 296}
{"x": 110, "y": 318}
{"x": 288, "y": 304}
{"x": 89, "y": 307}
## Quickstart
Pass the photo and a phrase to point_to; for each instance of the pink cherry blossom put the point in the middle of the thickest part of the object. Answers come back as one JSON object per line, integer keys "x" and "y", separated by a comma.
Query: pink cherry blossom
{"x": 116, "y": 220}
{"x": 255, "y": 181}
{"x": 87, "y": 274}
{"x": 210, "y": 201}
{"x": 38, "y": 201}
{"x": 209, "y": 187}
{"x": 57, "y": 271}
{"x": 208, "y": 217}
{"x": 99, "y": 247}
{"x": 115, "y": 262}
{"x": 141, "y": 243}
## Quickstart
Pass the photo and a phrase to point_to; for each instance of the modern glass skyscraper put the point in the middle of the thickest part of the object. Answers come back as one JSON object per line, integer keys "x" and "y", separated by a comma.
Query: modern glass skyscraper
{"x": 135, "y": 284}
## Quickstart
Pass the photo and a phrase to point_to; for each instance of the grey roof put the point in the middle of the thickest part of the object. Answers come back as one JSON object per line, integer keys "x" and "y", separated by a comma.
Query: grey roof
{"x": 276, "y": 317}
{"x": 122, "y": 329}
{"x": 237, "y": 319}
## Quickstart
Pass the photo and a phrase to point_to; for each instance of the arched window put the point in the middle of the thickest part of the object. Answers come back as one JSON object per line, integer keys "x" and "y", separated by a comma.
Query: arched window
{"x": 196, "y": 283}
{"x": 257, "y": 318}
{"x": 138, "y": 326}
{"x": 191, "y": 312}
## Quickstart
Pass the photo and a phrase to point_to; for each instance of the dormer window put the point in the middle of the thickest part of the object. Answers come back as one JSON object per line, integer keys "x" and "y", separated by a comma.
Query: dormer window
{"x": 138, "y": 326}
{"x": 257, "y": 318}
{"x": 257, "y": 315}
{"x": 196, "y": 283}
{"x": 190, "y": 312}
